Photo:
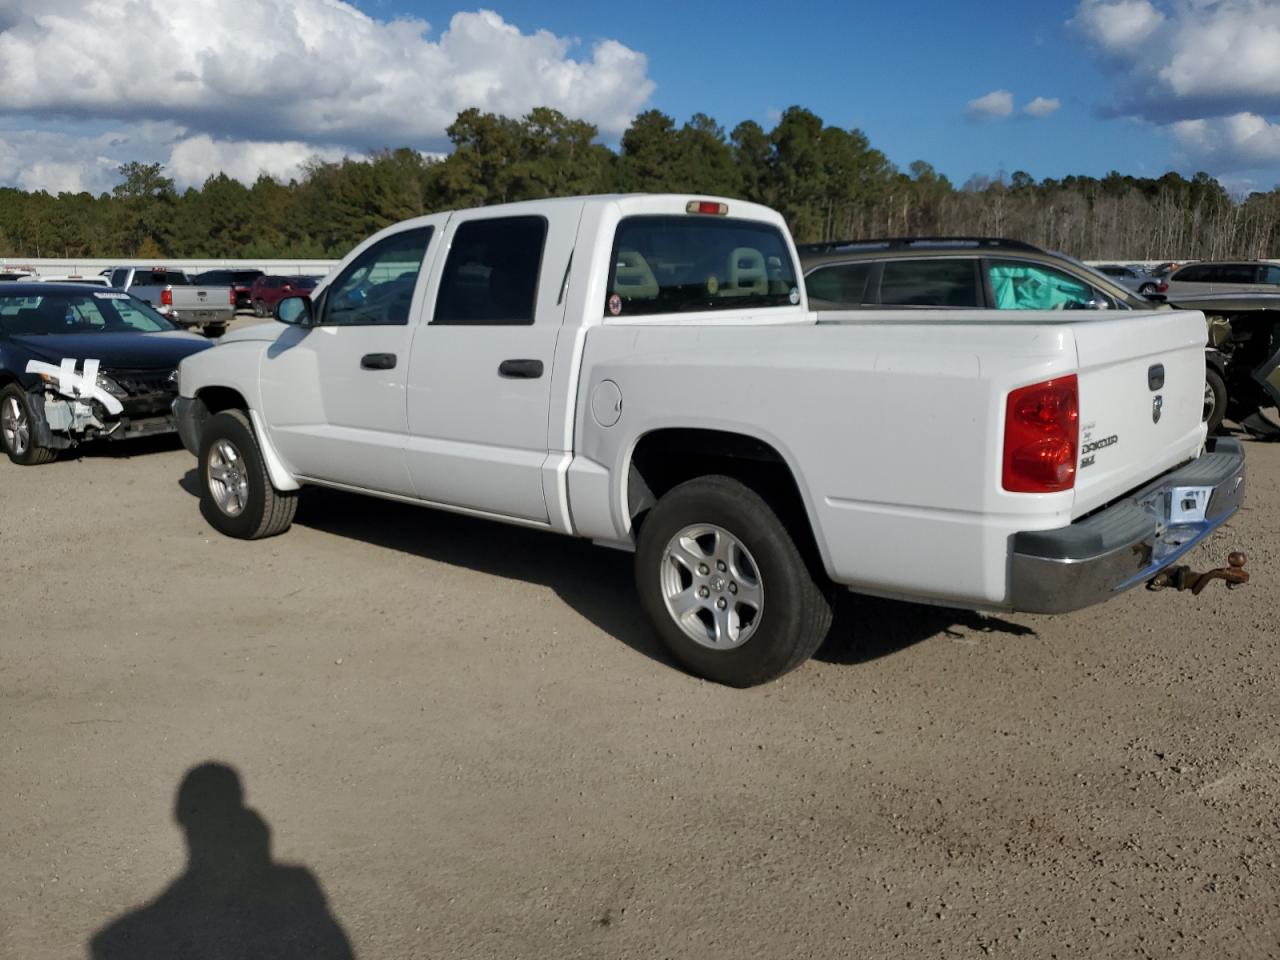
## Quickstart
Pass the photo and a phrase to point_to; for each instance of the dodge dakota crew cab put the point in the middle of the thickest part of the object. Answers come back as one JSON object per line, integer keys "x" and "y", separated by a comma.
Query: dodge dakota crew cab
{"x": 645, "y": 371}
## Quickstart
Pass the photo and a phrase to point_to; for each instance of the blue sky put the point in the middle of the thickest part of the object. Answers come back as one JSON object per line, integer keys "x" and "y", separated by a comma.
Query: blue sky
{"x": 249, "y": 86}
{"x": 903, "y": 73}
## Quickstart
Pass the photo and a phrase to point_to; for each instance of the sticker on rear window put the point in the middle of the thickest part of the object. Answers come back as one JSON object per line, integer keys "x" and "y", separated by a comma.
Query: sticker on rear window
{"x": 112, "y": 295}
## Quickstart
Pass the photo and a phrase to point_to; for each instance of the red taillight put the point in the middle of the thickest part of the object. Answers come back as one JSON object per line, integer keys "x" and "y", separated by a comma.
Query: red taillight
{"x": 1162, "y": 287}
{"x": 707, "y": 206}
{"x": 166, "y": 297}
{"x": 1042, "y": 436}
{"x": 232, "y": 291}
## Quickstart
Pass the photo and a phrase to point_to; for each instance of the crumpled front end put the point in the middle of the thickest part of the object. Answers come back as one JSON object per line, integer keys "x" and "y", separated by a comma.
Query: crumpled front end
{"x": 70, "y": 407}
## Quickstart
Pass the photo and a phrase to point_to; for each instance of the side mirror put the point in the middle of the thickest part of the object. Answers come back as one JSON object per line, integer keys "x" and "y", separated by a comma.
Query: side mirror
{"x": 296, "y": 311}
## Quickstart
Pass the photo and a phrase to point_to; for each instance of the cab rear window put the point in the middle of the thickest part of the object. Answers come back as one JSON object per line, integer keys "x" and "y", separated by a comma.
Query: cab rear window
{"x": 673, "y": 264}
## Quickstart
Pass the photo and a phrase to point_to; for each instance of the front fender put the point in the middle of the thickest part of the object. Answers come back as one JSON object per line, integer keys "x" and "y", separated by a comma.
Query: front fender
{"x": 232, "y": 366}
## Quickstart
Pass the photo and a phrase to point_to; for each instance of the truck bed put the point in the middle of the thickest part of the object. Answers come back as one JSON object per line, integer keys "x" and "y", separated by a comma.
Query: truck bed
{"x": 892, "y": 423}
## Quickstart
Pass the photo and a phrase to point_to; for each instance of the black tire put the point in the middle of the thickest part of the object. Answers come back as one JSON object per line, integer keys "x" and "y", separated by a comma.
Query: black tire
{"x": 1214, "y": 384}
{"x": 1147, "y": 289}
{"x": 795, "y": 613}
{"x": 215, "y": 330}
{"x": 23, "y": 452}
{"x": 259, "y": 309}
{"x": 265, "y": 510}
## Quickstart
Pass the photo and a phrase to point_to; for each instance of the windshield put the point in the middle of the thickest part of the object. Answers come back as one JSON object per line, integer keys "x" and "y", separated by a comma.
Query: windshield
{"x": 106, "y": 311}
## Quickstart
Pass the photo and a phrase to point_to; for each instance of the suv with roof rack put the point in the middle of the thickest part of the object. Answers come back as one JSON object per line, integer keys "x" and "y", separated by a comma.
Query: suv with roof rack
{"x": 961, "y": 272}
{"x": 975, "y": 272}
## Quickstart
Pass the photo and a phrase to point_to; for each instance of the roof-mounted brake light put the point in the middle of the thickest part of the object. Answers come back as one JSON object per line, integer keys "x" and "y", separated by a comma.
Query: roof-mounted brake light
{"x": 707, "y": 206}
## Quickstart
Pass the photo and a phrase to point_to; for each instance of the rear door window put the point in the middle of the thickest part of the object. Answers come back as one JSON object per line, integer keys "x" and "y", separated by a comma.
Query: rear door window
{"x": 1197, "y": 273}
{"x": 673, "y": 264}
{"x": 844, "y": 283}
{"x": 491, "y": 276}
{"x": 1271, "y": 274}
{"x": 930, "y": 283}
{"x": 1017, "y": 285}
{"x": 1235, "y": 273}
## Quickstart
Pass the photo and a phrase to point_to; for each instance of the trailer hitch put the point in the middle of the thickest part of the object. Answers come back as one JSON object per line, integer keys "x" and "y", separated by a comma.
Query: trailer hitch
{"x": 1184, "y": 578}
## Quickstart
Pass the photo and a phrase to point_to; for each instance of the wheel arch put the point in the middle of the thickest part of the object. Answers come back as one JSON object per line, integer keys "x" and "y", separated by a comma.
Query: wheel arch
{"x": 1214, "y": 358}
{"x": 665, "y": 456}
{"x": 216, "y": 398}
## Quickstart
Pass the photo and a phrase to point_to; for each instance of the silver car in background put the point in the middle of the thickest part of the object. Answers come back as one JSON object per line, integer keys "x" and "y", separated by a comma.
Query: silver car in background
{"x": 1131, "y": 278}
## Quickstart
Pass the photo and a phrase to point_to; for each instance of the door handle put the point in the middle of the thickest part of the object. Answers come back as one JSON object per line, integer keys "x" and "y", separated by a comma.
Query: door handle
{"x": 520, "y": 369}
{"x": 378, "y": 361}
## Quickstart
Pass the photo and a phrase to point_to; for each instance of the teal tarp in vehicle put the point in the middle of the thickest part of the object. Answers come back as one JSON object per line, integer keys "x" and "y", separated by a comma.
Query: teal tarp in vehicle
{"x": 1024, "y": 287}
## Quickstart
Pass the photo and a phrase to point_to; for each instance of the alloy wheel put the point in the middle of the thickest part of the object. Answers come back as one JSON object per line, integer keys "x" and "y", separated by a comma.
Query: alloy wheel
{"x": 228, "y": 478}
{"x": 14, "y": 426}
{"x": 712, "y": 586}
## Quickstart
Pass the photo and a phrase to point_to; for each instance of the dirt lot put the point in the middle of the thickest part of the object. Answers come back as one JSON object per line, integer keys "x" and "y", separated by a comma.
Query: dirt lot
{"x": 465, "y": 741}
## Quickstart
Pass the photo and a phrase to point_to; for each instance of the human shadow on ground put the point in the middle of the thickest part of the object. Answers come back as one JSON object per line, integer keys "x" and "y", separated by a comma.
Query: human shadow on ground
{"x": 233, "y": 902}
{"x": 598, "y": 582}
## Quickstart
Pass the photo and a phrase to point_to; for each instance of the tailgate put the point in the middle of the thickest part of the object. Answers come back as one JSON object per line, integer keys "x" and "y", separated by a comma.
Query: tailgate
{"x": 1141, "y": 400}
{"x": 205, "y": 301}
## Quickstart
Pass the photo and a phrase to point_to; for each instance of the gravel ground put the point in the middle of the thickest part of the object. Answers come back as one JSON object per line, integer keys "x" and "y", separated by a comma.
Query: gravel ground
{"x": 465, "y": 743}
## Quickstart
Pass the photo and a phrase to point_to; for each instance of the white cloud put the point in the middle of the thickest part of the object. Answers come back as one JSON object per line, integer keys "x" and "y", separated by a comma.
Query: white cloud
{"x": 1186, "y": 59}
{"x": 314, "y": 70}
{"x": 997, "y": 103}
{"x": 57, "y": 161}
{"x": 287, "y": 78}
{"x": 1118, "y": 26}
{"x": 192, "y": 160}
{"x": 1042, "y": 106}
{"x": 1207, "y": 71}
{"x": 1242, "y": 141}
{"x": 1225, "y": 50}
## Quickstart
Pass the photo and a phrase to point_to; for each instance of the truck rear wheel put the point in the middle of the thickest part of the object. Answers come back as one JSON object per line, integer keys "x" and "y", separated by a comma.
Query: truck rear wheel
{"x": 1215, "y": 399}
{"x": 726, "y": 586}
{"x": 236, "y": 494}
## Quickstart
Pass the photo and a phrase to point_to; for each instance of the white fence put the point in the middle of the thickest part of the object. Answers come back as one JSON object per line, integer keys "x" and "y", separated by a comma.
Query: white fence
{"x": 56, "y": 266}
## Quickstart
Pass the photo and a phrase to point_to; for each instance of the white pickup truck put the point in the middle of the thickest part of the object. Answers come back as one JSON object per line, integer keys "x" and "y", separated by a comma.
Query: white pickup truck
{"x": 645, "y": 371}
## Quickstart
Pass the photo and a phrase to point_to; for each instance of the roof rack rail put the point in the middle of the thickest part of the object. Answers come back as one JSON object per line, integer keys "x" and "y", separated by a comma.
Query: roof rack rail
{"x": 906, "y": 243}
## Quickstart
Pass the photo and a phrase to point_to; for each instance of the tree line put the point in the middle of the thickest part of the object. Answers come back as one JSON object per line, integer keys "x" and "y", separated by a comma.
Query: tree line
{"x": 830, "y": 183}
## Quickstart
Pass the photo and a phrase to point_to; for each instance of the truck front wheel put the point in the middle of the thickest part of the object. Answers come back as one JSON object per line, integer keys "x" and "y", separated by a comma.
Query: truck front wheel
{"x": 236, "y": 494}
{"x": 726, "y": 586}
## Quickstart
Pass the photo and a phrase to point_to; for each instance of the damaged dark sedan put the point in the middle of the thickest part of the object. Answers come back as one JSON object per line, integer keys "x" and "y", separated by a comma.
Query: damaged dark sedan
{"x": 79, "y": 364}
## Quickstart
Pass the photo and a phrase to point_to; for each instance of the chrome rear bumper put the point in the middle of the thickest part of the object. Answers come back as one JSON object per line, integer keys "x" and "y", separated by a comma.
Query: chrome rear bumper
{"x": 1129, "y": 542}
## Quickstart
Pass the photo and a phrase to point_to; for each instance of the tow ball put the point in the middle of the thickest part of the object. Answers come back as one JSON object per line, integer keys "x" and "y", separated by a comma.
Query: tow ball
{"x": 1184, "y": 578}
